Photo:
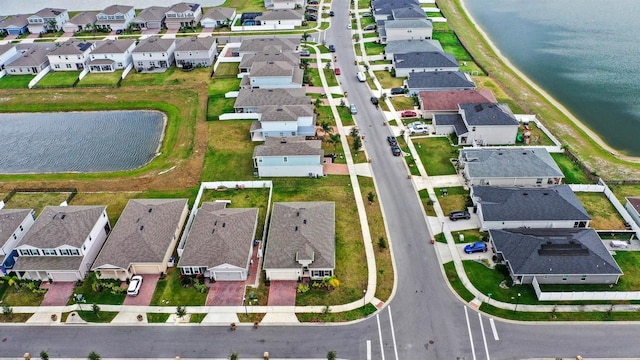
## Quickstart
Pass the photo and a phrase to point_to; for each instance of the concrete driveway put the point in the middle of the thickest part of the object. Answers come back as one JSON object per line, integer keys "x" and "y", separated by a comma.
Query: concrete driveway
{"x": 58, "y": 293}
{"x": 146, "y": 291}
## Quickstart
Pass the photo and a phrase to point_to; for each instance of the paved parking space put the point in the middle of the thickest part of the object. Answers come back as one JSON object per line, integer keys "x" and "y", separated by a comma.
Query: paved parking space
{"x": 58, "y": 293}
{"x": 146, "y": 291}
{"x": 282, "y": 293}
{"x": 226, "y": 293}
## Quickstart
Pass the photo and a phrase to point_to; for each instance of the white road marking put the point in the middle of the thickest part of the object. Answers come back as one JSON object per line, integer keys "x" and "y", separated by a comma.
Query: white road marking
{"x": 393, "y": 333}
{"x": 493, "y": 329}
{"x": 484, "y": 337}
{"x": 368, "y": 349}
{"x": 380, "y": 336}
{"x": 473, "y": 350}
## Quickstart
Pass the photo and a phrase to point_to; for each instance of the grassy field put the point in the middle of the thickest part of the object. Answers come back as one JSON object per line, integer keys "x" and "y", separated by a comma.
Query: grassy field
{"x": 170, "y": 292}
{"x": 387, "y": 81}
{"x": 411, "y": 161}
{"x": 456, "y": 199}
{"x": 58, "y": 79}
{"x": 436, "y": 154}
{"x": 15, "y": 82}
{"x": 36, "y": 200}
{"x": 229, "y": 151}
{"x": 451, "y": 44}
{"x": 246, "y": 198}
{"x": 373, "y": 49}
{"x": 572, "y": 172}
{"x": 456, "y": 283}
{"x": 22, "y": 296}
{"x": 603, "y": 215}
{"x": 402, "y": 103}
{"x": 101, "y": 79}
{"x": 427, "y": 203}
{"x": 94, "y": 296}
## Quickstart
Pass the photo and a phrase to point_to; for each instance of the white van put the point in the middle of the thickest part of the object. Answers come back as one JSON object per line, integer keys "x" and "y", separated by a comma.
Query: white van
{"x": 361, "y": 76}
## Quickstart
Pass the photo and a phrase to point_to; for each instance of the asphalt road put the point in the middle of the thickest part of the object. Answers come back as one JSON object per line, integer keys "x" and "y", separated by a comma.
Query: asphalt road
{"x": 423, "y": 321}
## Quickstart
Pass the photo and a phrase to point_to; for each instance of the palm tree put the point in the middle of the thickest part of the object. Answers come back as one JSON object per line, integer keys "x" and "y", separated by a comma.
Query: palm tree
{"x": 326, "y": 127}
{"x": 305, "y": 37}
{"x": 334, "y": 139}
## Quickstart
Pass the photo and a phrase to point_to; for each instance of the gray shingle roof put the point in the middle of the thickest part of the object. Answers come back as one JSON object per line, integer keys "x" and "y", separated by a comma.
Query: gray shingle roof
{"x": 62, "y": 225}
{"x": 10, "y": 219}
{"x": 451, "y": 119}
{"x": 260, "y": 97}
{"x": 284, "y": 113}
{"x": 219, "y": 13}
{"x": 450, "y": 99}
{"x": 424, "y": 59}
{"x": 487, "y": 114}
{"x": 271, "y": 68}
{"x": 257, "y": 45}
{"x": 554, "y": 252}
{"x": 32, "y": 57}
{"x": 49, "y": 12}
{"x": 84, "y": 18}
{"x": 413, "y": 45}
{"x": 116, "y": 9}
{"x": 301, "y": 230}
{"x": 411, "y": 12}
{"x": 154, "y": 44}
{"x": 219, "y": 236}
{"x": 143, "y": 232}
{"x": 387, "y": 7}
{"x": 439, "y": 80}
{"x": 71, "y": 47}
{"x": 18, "y": 21}
{"x": 52, "y": 263}
{"x": 529, "y": 204}
{"x": 184, "y": 7}
{"x": 510, "y": 163}
{"x": 195, "y": 43}
{"x": 408, "y": 24}
{"x": 113, "y": 46}
{"x": 281, "y": 14}
{"x": 635, "y": 203}
{"x": 152, "y": 13}
{"x": 6, "y": 47}
{"x": 289, "y": 146}
{"x": 249, "y": 59}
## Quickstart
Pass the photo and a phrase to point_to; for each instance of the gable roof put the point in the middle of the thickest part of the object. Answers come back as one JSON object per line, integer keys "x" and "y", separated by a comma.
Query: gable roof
{"x": 143, "y": 233}
{"x": 635, "y": 203}
{"x": 116, "y": 9}
{"x": 281, "y": 14}
{"x": 113, "y": 46}
{"x": 454, "y": 120}
{"x": 529, "y": 204}
{"x": 424, "y": 59}
{"x": 271, "y": 68}
{"x": 31, "y": 57}
{"x": 301, "y": 230}
{"x": 10, "y": 220}
{"x": 487, "y": 114}
{"x": 219, "y": 13}
{"x": 289, "y": 146}
{"x": 154, "y": 44}
{"x": 285, "y": 112}
{"x": 16, "y": 21}
{"x": 408, "y": 24}
{"x": 84, "y": 18}
{"x": 509, "y": 163}
{"x": 49, "y": 12}
{"x": 440, "y": 79}
{"x": 290, "y": 57}
{"x": 554, "y": 252}
{"x": 195, "y": 43}
{"x": 152, "y": 13}
{"x": 62, "y": 225}
{"x": 387, "y": 7}
{"x": 410, "y": 12}
{"x": 219, "y": 236}
{"x": 412, "y": 45}
{"x": 450, "y": 99}
{"x": 183, "y": 7}
{"x": 260, "y": 44}
{"x": 71, "y": 47}
{"x": 260, "y": 97}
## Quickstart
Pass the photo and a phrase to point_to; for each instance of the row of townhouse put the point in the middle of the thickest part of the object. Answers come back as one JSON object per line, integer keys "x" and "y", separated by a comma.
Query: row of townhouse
{"x": 150, "y": 54}
{"x": 65, "y": 243}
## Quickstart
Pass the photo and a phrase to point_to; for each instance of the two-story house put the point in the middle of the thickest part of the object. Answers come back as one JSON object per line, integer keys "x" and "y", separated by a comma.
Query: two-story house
{"x": 406, "y": 29}
{"x": 183, "y": 15}
{"x": 446, "y": 102}
{"x": 111, "y": 55}
{"x": 281, "y": 18}
{"x": 289, "y": 156}
{"x": 248, "y": 60}
{"x": 47, "y": 19}
{"x": 250, "y": 100}
{"x": 196, "y": 52}
{"x": 284, "y": 4}
{"x": 15, "y": 25}
{"x": 30, "y": 62}
{"x": 84, "y": 20}
{"x": 115, "y": 17}
{"x": 153, "y": 54}
{"x": 273, "y": 44}
{"x": 273, "y": 75}
{"x": 150, "y": 18}
{"x": 405, "y": 64}
{"x": 14, "y": 224}
{"x": 72, "y": 55}
{"x": 62, "y": 243}
{"x": 439, "y": 81}
{"x": 217, "y": 16}
{"x": 284, "y": 120}
{"x": 481, "y": 123}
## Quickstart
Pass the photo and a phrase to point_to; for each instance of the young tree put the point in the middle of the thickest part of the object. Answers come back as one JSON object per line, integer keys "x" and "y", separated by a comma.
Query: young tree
{"x": 334, "y": 139}
{"x": 7, "y": 311}
{"x": 371, "y": 196}
{"x": 44, "y": 355}
{"x": 234, "y": 356}
{"x": 305, "y": 37}
{"x": 357, "y": 143}
{"x": 326, "y": 127}
{"x": 94, "y": 356}
{"x": 95, "y": 309}
{"x": 331, "y": 355}
{"x": 181, "y": 311}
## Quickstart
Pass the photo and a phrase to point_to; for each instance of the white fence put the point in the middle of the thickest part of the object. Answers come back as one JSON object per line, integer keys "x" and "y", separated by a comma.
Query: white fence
{"x": 240, "y": 116}
{"x": 3, "y": 73}
{"x": 584, "y": 295}
{"x": 126, "y": 71}
{"x": 39, "y": 77}
{"x": 83, "y": 73}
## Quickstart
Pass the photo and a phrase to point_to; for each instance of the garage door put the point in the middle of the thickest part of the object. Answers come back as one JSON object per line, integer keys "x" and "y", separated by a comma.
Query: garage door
{"x": 64, "y": 276}
{"x": 283, "y": 275}
{"x": 145, "y": 269}
{"x": 228, "y": 275}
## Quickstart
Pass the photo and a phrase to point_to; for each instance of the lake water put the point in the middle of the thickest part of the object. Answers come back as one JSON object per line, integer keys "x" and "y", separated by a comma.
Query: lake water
{"x": 79, "y": 141}
{"x": 584, "y": 53}
{"x": 10, "y": 7}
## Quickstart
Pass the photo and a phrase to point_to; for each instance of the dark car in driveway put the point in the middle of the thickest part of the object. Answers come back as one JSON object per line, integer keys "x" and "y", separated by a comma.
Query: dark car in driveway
{"x": 476, "y": 247}
{"x": 459, "y": 215}
{"x": 395, "y": 150}
{"x": 397, "y": 91}
{"x": 392, "y": 140}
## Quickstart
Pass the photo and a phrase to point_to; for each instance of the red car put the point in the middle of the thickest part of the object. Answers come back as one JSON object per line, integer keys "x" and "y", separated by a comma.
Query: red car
{"x": 338, "y": 72}
{"x": 408, "y": 113}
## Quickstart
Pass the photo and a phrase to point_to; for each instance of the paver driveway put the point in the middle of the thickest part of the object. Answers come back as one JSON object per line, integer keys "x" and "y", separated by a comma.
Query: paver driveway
{"x": 58, "y": 293}
{"x": 282, "y": 293}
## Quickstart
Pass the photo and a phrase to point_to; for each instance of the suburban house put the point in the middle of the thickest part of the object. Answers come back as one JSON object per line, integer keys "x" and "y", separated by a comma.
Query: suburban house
{"x": 633, "y": 208}
{"x": 289, "y": 156}
{"x": 509, "y": 167}
{"x": 408, "y": 46}
{"x": 408, "y": 63}
{"x": 281, "y": 18}
{"x": 273, "y": 75}
{"x": 247, "y": 61}
{"x": 220, "y": 243}
{"x": 272, "y": 44}
{"x": 111, "y": 55}
{"x": 115, "y": 17}
{"x": 14, "y": 224}
{"x": 15, "y": 25}
{"x": 383, "y": 9}
{"x": 283, "y": 120}
{"x": 30, "y": 62}
{"x": 62, "y": 243}
{"x": 284, "y": 4}
{"x": 439, "y": 81}
{"x": 150, "y": 18}
{"x": 84, "y": 20}
{"x": 250, "y": 100}
{"x": 143, "y": 240}
{"x": 71, "y": 55}
{"x": 446, "y": 102}
{"x": 410, "y": 12}
{"x": 555, "y": 256}
{"x": 47, "y": 19}
{"x": 218, "y": 16}
{"x": 153, "y": 54}
{"x": 183, "y": 15}
{"x": 8, "y": 52}
{"x": 406, "y": 30}
{"x": 301, "y": 242}
{"x": 509, "y": 208}
{"x": 196, "y": 52}
{"x": 479, "y": 123}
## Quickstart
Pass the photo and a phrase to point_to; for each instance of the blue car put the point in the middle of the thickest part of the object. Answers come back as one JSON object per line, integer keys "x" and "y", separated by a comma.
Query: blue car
{"x": 476, "y": 247}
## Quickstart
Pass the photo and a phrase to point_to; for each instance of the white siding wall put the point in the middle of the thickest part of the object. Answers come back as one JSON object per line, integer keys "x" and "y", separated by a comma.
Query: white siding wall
{"x": 98, "y": 236}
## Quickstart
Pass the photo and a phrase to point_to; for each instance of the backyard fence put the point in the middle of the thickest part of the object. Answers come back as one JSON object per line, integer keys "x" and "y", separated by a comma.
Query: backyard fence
{"x": 72, "y": 193}
{"x": 584, "y": 295}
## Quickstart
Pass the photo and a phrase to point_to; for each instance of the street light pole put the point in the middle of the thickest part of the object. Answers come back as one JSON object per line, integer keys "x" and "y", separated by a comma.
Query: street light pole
{"x": 364, "y": 300}
{"x": 517, "y": 302}
{"x": 244, "y": 301}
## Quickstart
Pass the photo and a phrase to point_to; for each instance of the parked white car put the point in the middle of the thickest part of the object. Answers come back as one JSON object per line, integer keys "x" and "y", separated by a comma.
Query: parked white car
{"x": 418, "y": 127}
{"x": 134, "y": 285}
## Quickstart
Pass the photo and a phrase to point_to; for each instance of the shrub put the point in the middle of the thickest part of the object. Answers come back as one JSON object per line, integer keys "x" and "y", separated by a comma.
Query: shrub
{"x": 302, "y": 288}
{"x": 382, "y": 243}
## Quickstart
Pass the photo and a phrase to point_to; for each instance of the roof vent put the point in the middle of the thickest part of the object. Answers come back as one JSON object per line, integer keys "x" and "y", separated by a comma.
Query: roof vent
{"x": 296, "y": 228}
{"x": 304, "y": 221}
{"x": 63, "y": 216}
{"x": 223, "y": 224}
{"x": 141, "y": 227}
{"x": 150, "y": 210}
{"x": 213, "y": 231}
{"x": 298, "y": 213}
{"x": 525, "y": 194}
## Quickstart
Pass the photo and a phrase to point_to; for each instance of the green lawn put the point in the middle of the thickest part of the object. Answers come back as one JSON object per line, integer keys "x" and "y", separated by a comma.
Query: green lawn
{"x": 101, "y": 79}
{"x": 411, "y": 161}
{"x": 227, "y": 70}
{"x": 469, "y": 236}
{"x": 22, "y": 296}
{"x": 218, "y": 105}
{"x": 56, "y": 79}
{"x": 93, "y": 295}
{"x": 402, "y": 102}
{"x": 157, "y": 317}
{"x": 229, "y": 152}
{"x": 457, "y": 198}
{"x": 15, "y": 81}
{"x": 451, "y": 44}
{"x": 454, "y": 280}
{"x": 100, "y": 317}
{"x": 372, "y": 48}
{"x": 36, "y": 200}
{"x": 488, "y": 281}
{"x": 314, "y": 76}
{"x": 135, "y": 78}
{"x": 603, "y": 215}
{"x": 622, "y": 191}
{"x": 345, "y": 116}
{"x": 572, "y": 172}
{"x": 220, "y": 86}
{"x": 331, "y": 77}
{"x": 352, "y": 315}
{"x": 436, "y": 154}
{"x": 170, "y": 292}
{"x": 387, "y": 81}
{"x": 427, "y": 203}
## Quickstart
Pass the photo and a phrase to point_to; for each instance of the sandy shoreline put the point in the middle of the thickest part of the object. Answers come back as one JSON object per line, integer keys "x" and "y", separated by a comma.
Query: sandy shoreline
{"x": 546, "y": 95}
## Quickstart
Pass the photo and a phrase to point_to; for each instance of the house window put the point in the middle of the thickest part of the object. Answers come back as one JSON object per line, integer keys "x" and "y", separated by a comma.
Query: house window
{"x": 140, "y": 64}
{"x": 57, "y": 66}
{"x": 84, "y": 247}
{"x": 21, "y": 229}
{"x": 74, "y": 252}
{"x": 539, "y": 181}
{"x": 565, "y": 277}
{"x": 49, "y": 252}
{"x": 473, "y": 128}
{"x": 68, "y": 66}
{"x": 15, "y": 237}
{"x": 285, "y": 159}
{"x": 196, "y": 270}
{"x": 34, "y": 252}
{"x": 583, "y": 278}
{"x": 186, "y": 271}
{"x": 64, "y": 252}
{"x": 24, "y": 252}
